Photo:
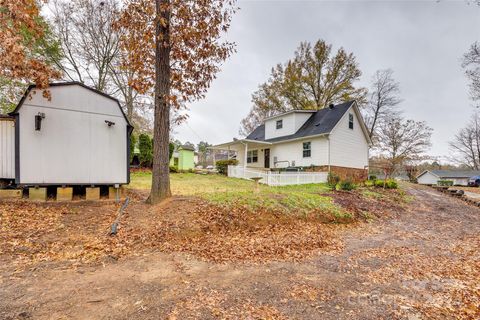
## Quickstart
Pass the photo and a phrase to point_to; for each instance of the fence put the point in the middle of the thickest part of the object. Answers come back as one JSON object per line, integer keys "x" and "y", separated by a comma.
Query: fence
{"x": 277, "y": 178}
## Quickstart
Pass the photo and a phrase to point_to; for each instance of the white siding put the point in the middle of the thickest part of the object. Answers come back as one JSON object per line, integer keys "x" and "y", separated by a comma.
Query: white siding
{"x": 7, "y": 149}
{"x": 260, "y": 163}
{"x": 74, "y": 145}
{"x": 293, "y": 152}
{"x": 459, "y": 181}
{"x": 427, "y": 178}
{"x": 291, "y": 123}
{"x": 348, "y": 148}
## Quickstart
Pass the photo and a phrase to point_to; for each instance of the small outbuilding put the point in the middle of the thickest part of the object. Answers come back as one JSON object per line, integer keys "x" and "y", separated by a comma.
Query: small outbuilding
{"x": 458, "y": 178}
{"x": 183, "y": 158}
{"x": 77, "y": 136}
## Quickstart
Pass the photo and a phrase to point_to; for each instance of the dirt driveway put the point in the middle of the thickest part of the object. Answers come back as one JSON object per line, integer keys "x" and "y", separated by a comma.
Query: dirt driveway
{"x": 425, "y": 263}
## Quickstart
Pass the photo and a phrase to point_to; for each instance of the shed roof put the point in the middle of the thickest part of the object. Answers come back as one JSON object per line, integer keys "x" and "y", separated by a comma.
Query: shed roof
{"x": 70, "y": 83}
{"x": 186, "y": 147}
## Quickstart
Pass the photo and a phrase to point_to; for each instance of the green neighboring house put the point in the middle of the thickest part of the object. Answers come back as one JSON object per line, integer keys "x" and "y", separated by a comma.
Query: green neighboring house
{"x": 183, "y": 158}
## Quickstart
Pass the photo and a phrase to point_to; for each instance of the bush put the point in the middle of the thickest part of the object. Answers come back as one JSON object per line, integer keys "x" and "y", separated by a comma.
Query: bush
{"x": 445, "y": 183}
{"x": 345, "y": 185}
{"x": 133, "y": 142}
{"x": 391, "y": 184}
{"x": 173, "y": 169}
{"x": 171, "y": 149}
{"x": 222, "y": 165}
{"x": 146, "y": 150}
{"x": 332, "y": 180}
{"x": 388, "y": 184}
{"x": 379, "y": 183}
{"x": 369, "y": 183}
{"x": 372, "y": 177}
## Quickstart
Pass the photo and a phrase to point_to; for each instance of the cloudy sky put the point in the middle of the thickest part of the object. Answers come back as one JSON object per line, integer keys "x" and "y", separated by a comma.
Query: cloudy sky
{"x": 422, "y": 41}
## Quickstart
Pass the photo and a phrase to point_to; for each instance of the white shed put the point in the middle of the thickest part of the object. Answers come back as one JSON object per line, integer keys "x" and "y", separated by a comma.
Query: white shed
{"x": 78, "y": 136}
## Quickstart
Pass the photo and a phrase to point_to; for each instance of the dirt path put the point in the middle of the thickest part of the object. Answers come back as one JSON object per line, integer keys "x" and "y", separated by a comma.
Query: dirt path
{"x": 425, "y": 263}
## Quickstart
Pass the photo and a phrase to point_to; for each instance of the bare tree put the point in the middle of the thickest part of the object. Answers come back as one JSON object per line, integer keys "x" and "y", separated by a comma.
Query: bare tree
{"x": 466, "y": 144}
{"x": 383, "y": 101}
{"x": 401, "y": 141}
{"x": 88, "y": 40}
{"x": 91, "y": 53}
{"x": 471, "y": 64}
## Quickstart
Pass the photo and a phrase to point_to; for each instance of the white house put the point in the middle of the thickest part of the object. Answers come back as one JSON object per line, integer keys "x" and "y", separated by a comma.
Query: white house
{"x": 80, "y": 136}
{"x": 331, "y": 139}
{"x": 459, "y": 178}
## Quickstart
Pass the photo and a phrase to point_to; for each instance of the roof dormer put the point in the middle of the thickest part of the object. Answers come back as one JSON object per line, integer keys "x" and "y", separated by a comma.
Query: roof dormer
{"x": 286, "y": 123}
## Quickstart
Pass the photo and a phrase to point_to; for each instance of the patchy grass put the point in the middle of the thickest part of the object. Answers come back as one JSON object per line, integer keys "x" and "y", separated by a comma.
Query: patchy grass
{"x": 191, "y": 184}
{"x": 231, "y": 192}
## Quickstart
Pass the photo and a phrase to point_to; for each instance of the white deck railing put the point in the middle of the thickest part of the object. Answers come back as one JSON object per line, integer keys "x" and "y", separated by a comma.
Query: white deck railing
{"x": 277, "y": 178}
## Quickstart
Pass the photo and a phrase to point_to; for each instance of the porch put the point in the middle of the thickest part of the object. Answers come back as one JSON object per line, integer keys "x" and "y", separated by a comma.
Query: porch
{"x": 272, "y": 178}
{"x": 250, "y": 153}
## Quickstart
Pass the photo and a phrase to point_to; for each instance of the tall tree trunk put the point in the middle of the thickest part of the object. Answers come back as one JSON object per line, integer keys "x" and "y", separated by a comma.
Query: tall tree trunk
{"x": 161, "y": 130}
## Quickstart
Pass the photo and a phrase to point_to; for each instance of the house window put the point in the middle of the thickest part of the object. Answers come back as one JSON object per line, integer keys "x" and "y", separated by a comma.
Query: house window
{"x": 279, "y": 124}
{"x": 252, "y": 156}
{"x": 307, "y": 149}
{"x": 350, "y": 121}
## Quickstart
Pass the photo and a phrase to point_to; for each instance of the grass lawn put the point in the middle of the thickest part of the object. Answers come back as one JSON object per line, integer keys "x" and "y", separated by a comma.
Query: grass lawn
{"x": 232, "y": 192}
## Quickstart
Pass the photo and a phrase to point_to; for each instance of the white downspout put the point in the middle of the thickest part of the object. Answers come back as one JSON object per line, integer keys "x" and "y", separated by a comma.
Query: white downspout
{"x": 328, "y": 139}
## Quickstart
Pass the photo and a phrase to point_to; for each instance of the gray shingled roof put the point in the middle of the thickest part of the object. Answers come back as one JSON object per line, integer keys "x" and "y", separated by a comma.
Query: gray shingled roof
{"x": 455, "y": 174}
{"x": 321, "y": 122}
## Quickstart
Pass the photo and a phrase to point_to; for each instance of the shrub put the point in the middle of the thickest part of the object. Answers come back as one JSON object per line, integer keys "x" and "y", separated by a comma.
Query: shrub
{"x": 445, "y": 183}
{"x": 387, "y": 184}
{"x": 372, "y": 177}
{"x": 133, "y": 142}
{"x": 173, "y": 169}
{"x": 345, "y": 185}
{"x": 333, "y": 180}
{"x": 171, "y": 149}
{"x": 369, "y": 183}
{"x": 391, "y": 184}
{"x": 146, "y": 150}
{"x": 222, "y": 165}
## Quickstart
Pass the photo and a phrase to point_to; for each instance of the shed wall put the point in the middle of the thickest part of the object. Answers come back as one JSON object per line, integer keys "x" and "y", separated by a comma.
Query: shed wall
{"x": 7, "y": 149}
{"x": 74, "y": 145}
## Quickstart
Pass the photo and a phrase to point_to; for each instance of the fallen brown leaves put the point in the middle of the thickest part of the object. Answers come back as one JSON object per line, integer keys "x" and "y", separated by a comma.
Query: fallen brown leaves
{"x": 219, "y": 234}
{"x": 379, "y": 203}
{"x": 446, "y": 284}
{"x": 213, "y": 304}
{"x": 32, "y": 233}
{"x": 310, "y": 293}
{"x": 78, "y": 232}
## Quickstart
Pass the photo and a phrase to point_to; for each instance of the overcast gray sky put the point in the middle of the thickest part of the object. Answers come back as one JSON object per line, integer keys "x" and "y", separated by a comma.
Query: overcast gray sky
{"x": 422, "y": 41}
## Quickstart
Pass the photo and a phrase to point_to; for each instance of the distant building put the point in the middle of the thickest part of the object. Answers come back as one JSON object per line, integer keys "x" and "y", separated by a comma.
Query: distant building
{"x": 183, "y": 158}
{"x": 459, "y": 178}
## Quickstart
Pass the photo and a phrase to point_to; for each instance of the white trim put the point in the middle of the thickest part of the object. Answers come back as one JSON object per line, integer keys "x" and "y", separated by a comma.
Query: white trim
{"x": 242, "y": 141}
{"x": 288, "y": 112}
{"x": 421, "y": 174}
{"x": 302, "y": 138}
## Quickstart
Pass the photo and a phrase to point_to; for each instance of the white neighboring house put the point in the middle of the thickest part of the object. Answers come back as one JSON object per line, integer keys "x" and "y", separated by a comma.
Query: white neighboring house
{"x": 459, "y": 178}
{"x": 80, "y": 136}
{"x": 331, "y": 139}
